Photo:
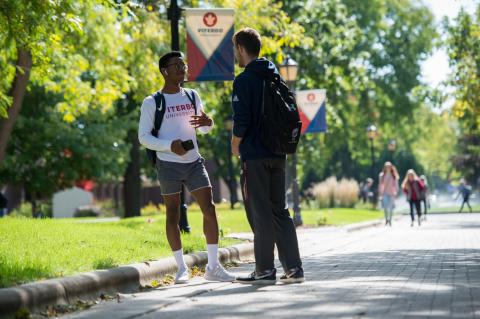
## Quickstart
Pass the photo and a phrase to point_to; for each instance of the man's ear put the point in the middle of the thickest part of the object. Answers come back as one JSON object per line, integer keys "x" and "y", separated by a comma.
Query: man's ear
{"x": 164, "y": 71}
{"x": 240, "y": 49}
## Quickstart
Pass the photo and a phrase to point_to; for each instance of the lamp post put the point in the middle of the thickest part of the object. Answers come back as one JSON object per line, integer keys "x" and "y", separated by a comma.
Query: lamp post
{"x": 372, "y": 134}
{"x": 231, "y": 182}
{"x": 289, "y": 70}
{"x": 174, "y": 13}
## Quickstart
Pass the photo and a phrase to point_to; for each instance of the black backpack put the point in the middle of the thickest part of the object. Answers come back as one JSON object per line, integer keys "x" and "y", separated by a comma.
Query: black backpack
{"x": 159, "y": 114}
{"x": 279, "y": 124}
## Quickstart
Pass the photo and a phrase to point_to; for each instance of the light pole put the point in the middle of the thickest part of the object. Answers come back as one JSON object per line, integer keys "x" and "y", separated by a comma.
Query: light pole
{"x": 288, "y": 71}
{"x": 174, "y": 14}
{"x": 372, "y": 134}
{"x": 231, "y": 182}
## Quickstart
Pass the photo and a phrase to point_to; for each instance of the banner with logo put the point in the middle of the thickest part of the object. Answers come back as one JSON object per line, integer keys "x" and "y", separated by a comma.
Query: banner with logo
{"x": 312, "y": 109}
{"x": 209, "y": 44}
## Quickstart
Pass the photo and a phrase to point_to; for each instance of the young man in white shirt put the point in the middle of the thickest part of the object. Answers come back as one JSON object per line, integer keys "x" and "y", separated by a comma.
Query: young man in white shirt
{"x": 177, "y": 166}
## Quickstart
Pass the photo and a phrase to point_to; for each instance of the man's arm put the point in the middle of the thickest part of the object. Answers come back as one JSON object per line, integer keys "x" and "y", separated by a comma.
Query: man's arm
{"x": 202, "y": 122}
{"x": 241, "y": 113}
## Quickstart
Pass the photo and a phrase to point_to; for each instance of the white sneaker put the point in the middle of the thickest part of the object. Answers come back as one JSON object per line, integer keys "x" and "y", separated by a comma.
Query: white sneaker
{"x": 218, "y": 274}
{"x": 182, "y": 276}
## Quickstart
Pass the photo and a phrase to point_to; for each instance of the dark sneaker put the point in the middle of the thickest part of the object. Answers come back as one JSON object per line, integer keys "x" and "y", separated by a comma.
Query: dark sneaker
{"x": 266, "y": 278}
{"x": 293, "y": 276}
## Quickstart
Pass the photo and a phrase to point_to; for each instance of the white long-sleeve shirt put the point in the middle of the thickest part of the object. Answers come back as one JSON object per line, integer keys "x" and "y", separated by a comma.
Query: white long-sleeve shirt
{"x": 175, "y": 125}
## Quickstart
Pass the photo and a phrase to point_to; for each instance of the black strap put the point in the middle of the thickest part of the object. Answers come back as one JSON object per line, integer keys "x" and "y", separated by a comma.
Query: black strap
{"x": 160, "y": 108}
{"x": 262, "y": 108}
{"x": 191, "y": 97}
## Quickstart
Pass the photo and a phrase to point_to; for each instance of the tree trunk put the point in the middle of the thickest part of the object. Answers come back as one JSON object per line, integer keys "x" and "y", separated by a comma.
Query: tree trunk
{"x": 131, "y": 181}
{"x": 17, "y": 92}
{"x": 15, "y": 195}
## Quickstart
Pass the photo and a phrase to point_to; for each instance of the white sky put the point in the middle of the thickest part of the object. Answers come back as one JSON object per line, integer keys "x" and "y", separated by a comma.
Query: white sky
{"x": 435, "y": 69}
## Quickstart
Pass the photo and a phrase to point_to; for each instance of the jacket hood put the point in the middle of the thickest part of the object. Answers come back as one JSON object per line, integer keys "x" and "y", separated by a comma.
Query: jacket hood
{"x": 263, "y": 67}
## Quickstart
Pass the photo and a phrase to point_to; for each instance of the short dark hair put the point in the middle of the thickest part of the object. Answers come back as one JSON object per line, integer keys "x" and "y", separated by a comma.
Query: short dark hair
{"x": 249, "y": 39}
{"x": 163, "y": 62}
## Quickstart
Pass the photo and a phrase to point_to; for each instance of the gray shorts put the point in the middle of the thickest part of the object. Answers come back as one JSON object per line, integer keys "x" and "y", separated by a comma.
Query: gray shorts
{"x": 172, "y": 175}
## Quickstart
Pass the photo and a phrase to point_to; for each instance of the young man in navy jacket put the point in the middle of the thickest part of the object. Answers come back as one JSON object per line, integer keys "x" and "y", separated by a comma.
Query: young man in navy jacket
{"x": 263, "y": 173}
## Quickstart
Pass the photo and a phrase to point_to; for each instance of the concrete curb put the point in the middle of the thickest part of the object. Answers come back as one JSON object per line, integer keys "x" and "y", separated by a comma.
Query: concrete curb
{"x": 37, "y": 296}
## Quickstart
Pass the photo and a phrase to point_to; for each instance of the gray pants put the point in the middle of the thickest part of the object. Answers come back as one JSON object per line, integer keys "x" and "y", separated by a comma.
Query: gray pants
{"x": 388, "y": 203}
{"x": 263, "y": 190}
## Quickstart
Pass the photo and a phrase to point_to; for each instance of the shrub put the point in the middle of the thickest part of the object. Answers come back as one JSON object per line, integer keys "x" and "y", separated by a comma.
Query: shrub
{"x": 346, "y": 193}
{"x": 107, "y": 208}
{"x": 332, "y": 193}
{"x": 87, "y": 211}
{"x": 151, "y": 209}
{"x": 44, "y": 210}
{"x": 24, "y": 210}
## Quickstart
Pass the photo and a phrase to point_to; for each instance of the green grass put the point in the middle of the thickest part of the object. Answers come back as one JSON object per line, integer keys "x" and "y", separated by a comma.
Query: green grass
{"x": 454, "y": 209}
{"x": 34, "y": 249}
{"x": 338, "y": 216}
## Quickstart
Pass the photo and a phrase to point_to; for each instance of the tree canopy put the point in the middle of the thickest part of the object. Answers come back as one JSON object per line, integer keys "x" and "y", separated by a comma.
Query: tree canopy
{"x": 463, "y": 47}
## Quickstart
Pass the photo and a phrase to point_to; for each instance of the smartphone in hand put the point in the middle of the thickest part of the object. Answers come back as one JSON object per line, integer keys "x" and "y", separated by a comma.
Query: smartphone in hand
{"x": 188, "y": 145}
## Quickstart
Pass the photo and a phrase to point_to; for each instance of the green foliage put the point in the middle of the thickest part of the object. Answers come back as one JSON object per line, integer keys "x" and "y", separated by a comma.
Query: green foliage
{"x": 463, "y": 47}
{"x": 47, "y": 153}
{"x": 22, "y": 211}
{"x": 33, "y": 26}
{"x": 367, "y": 56}
{"x": 88, "y": 69}
{"x": 430, "y": 148}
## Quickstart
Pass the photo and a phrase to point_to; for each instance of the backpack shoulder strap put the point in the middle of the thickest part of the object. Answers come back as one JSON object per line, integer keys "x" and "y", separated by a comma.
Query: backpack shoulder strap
{"x": 262, "y": 106}
{"x": 160, "y": 108}
{"x": 191, "y": 97}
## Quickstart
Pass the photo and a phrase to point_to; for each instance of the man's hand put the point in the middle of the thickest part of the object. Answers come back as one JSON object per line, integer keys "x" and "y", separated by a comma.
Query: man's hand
{"x": 177, "y": 148}
{"x": 236, "y": 145}
{"x": 200, "y": 120}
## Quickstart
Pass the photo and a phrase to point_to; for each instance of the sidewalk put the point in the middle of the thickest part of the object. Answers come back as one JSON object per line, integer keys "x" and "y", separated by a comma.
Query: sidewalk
{"x": 382, "y": 272}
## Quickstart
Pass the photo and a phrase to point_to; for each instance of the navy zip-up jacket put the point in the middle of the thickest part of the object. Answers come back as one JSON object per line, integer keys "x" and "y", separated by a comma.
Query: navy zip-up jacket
{"x": 247, "y": 99}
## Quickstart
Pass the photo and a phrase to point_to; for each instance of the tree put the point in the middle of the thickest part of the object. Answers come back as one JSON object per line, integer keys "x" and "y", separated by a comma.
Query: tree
{"x": 367, "y": 56}
{"x": 463, "y": 47}
{"x": 28, "y": 29}
{"x": 46, "y": 154}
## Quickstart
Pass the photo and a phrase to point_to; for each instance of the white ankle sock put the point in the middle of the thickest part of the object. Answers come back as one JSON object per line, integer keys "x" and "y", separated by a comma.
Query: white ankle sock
{"x": 178, "y": 254}
{"x": 212, "y": 251}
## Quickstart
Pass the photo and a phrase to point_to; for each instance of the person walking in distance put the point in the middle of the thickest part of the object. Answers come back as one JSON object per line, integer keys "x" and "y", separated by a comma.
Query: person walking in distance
{"x": 465, "y": 190}
{"x": 424, "y": 196}
{"x": 412, "y": 187}
{"x": 388, "y": 190}
{"x": 263, "y": 173}
{"x": 178, "y": 160}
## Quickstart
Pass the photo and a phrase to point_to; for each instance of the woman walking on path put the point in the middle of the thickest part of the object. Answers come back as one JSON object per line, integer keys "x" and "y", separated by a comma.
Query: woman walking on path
{"x": 412, "y": 187}
{"x": 388, "y": 189}
{"x": 424, "y": 196}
